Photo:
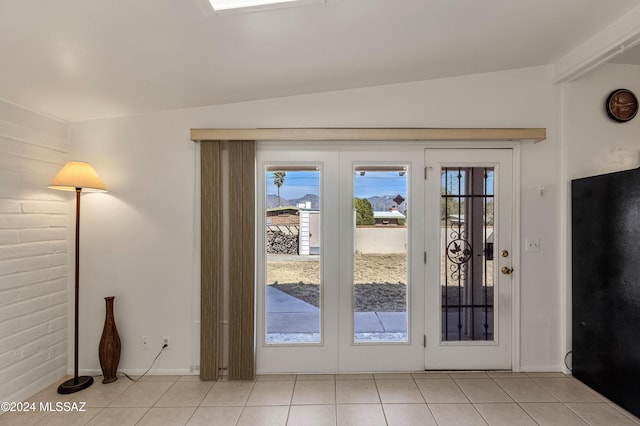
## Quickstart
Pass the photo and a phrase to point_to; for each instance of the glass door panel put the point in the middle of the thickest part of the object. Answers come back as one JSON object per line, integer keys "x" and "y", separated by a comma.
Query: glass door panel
{"x": 380, "y": 254}
{"x": 293, "y": 260}
{"x": 381, "y": 262}
{"x": 467, "y": 253}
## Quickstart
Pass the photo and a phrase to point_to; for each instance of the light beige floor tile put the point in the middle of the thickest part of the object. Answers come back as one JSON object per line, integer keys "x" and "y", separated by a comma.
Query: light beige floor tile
{"x": 141, "y": 394}
{"x": 184, "y": 394}
{"x": 70, "y": 418}
{"x": 625, "y": 413}
{"x": 101, "y": 395}
{"x": 314, "y": 392}
{"x": 456, "y": 415}
{"x": 314, "y": 397}
{"x": 312, "y": 415}
{"x": 356, "y": 391}
{"x": 215, "y": 416}
{"x": 360, "y": 415}
{"x": 385, "y": 376}
{"x": 25, "y": 418}
{"x": 305, "y": 377}
{"x": 228, "y": 394}
{"x": 600, "y": 414}
{"x": 408, "y": 415}
{"x": 504, "y": 414}
{"x": 431, "y": 375}
{"x": 158, "y": 378}
{"x": 274, "y": 377}
{"x": 568, "y": 390}
{"x": 547, "y": 374}
{"x": 355, "y": 376}
{"x": 483, "y": 390}
{"x": 469, "y": 375}
{"x": 121, "y": 416}
{"x": 259, "y": 416}
{"x": 50, "y": 394}
{"x": 271, "y": 393}
{"x": 441, "y": 391}
{"x": 525, "y": 390}
{"x": 551, "y": 414}
{"x": 399, "y": 391}
{"x": 506, "y": 374}
{"x": 174, "y": 416}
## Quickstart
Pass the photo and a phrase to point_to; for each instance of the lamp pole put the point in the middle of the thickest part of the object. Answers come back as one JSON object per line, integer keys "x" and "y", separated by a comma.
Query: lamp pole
{"x": 78, "y": 383}
{"x": 77, "y": 283}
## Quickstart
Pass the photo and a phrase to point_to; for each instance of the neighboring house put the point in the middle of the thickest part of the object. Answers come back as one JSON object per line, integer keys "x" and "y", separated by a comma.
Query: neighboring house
{"x": 455, "y": 219}
{"x": 390, "y": 218}
{"x": 288, "y": 215}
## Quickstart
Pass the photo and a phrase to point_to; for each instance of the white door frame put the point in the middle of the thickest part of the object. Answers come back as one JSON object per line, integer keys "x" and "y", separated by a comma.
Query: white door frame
{"x": 383, "y": 356}
{"x": 516, "y": 233}
{"x": 396, "y": 146}
{"x": 299, "y": 358}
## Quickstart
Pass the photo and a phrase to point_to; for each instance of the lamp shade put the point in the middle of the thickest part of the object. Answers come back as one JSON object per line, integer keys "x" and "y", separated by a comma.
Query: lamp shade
{"x": 77, "y": 174}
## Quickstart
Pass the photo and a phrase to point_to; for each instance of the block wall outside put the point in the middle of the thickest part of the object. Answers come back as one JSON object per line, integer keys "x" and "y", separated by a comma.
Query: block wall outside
{"x": 34, "y": 235}
{"x": 381, "y": 240}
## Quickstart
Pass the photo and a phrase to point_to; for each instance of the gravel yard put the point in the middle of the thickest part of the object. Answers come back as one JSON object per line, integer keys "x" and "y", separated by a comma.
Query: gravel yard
{"x": 380, "y": 280}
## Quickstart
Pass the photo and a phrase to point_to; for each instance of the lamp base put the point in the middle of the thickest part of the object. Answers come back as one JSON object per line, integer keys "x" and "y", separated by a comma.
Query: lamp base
{"x": 75, "y": 385}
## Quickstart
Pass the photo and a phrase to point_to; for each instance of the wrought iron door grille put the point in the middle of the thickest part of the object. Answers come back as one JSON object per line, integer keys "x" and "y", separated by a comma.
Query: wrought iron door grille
{"x": 467, "y": 206}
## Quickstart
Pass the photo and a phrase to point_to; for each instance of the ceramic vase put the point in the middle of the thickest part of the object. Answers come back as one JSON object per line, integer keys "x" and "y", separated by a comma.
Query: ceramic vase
{"x": 109, "y": 349}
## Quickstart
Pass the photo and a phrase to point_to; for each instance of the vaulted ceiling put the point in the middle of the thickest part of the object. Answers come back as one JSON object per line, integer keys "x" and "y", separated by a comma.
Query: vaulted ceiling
{"x": 84, "y": 59}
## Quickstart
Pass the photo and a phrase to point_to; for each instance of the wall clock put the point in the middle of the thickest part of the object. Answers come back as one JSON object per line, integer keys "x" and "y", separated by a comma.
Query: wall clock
{"x": 621, "y": 105}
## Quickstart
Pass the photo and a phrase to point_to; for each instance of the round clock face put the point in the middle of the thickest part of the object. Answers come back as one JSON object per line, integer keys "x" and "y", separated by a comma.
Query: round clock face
{"x": 622, "y": 105}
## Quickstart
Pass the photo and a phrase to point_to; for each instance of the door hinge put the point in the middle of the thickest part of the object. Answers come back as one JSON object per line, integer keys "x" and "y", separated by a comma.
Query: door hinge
{"x": 425, "y": 173}
{"x": 425, "y": 257}
{"x": 424, "y": 342}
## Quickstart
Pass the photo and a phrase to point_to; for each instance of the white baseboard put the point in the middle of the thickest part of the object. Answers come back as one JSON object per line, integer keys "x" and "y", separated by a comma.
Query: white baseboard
{"x": 137, "y": 372}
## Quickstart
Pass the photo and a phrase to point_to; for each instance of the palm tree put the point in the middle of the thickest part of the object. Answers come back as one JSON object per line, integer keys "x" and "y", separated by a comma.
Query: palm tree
{"x": 278, "y": 180}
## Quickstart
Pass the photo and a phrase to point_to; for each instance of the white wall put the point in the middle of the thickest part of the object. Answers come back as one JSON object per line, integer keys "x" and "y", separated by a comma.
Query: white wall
{"x": 139, "y": 242}
{"x": 33, "y": 253}
{"x": 594, "y": 144}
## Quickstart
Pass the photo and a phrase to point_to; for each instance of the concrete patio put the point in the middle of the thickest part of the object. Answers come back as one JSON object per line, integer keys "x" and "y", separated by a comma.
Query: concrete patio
{"x": 289, "y": 315}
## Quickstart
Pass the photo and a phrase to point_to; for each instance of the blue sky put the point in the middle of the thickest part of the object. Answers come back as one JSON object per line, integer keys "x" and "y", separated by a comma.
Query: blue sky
{"x": 298, "y": 184}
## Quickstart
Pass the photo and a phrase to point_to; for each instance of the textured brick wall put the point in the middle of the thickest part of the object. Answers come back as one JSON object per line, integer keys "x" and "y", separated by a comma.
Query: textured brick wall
{"x": 33, "y": 252}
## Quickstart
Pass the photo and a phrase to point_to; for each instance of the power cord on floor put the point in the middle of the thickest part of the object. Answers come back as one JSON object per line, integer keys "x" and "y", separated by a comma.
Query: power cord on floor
{"x": 565, "y": 360}
{"x": 148, "y": 369}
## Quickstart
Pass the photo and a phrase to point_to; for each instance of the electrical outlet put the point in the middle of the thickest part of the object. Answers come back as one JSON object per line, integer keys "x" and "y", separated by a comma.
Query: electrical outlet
{"x": 166, "y": 340}
{"x": 532, "y": 244}
{"x": 145, "y": 343}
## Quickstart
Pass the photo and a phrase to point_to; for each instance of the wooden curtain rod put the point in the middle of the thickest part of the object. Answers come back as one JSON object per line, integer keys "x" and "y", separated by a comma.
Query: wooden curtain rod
{"x": 372, "y": 134}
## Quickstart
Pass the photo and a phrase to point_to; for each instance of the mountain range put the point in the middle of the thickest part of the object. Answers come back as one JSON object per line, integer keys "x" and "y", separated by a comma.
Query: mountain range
{"x": 380, "y": 203}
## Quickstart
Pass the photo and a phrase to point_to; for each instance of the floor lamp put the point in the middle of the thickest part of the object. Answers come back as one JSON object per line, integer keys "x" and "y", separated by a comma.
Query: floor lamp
{"x": 77, "y": 176}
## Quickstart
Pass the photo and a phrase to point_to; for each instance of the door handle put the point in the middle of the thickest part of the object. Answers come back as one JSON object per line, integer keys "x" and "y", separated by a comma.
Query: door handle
{"x": 506, "y": 270}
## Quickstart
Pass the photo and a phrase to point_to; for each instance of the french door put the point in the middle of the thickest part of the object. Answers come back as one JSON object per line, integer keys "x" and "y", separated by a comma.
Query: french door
{"x": 351, "y": 249}
{"x": 469, "y": 250}
{"x": 381, "y": 315}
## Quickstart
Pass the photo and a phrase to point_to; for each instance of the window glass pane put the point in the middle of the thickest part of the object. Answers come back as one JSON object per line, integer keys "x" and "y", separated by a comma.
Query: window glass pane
{"x": 467, "y": 253}
{"x": 293, "y": 242}
{"x": 380, "y": 254}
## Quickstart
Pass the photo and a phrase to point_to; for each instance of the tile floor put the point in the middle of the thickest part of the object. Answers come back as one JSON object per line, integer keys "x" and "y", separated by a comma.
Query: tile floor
{"x": 455, "y": 398}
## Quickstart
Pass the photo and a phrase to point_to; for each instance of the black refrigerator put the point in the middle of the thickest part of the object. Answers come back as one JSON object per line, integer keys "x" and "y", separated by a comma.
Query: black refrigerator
{"x": 606, "y": 285}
